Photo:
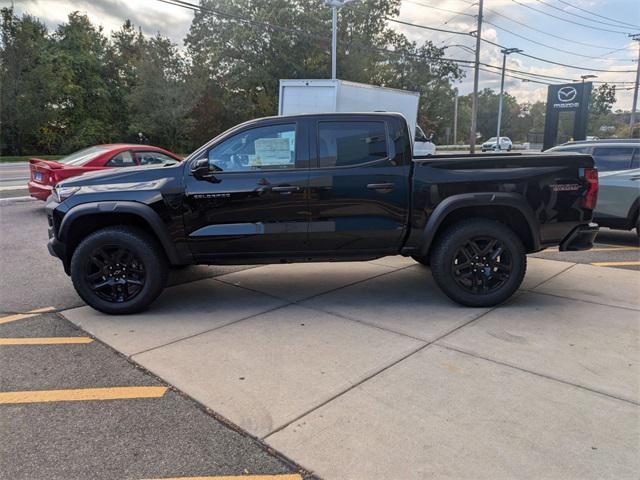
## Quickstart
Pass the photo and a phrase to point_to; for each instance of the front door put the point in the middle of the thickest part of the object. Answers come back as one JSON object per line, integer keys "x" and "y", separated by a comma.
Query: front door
{"x": 359, "y": 185}
{"x": 253, "y": 200}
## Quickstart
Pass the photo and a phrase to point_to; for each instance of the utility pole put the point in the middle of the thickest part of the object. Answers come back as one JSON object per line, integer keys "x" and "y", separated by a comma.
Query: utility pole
{"x": 505, "y": 52}
{"x": 634, "y": 104}
{"x": 455, "y": 120}
{"x": 335, "y": 5}
{"x": 476, "y": 79}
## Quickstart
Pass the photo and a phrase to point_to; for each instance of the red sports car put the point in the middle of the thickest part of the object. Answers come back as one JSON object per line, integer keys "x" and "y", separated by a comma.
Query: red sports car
{"x": 46, "y": 173}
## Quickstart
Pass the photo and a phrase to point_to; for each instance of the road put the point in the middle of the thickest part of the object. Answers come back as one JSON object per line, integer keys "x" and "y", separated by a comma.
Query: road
{"x": 136, "y": 426}
{"x": 13, "y": 179}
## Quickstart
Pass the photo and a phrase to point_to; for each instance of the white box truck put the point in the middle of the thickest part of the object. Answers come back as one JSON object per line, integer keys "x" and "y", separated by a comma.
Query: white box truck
{"x": 322, "y": 96}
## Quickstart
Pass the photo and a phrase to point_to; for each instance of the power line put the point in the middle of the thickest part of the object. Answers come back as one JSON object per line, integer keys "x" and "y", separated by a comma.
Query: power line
{"x": 592, "y": 45}
{"x": 394, "y": 20}
{"x": 439, "y": 8}
{"x": 579, "y": 16}
{"x": 596, "y": 14}
{"x": 551, "y": 46}
{"x": 509, "y": 75}
{"x": 565, "y": 20}
{"x": 559, "y": 63}
{"x": 502, "y": 46}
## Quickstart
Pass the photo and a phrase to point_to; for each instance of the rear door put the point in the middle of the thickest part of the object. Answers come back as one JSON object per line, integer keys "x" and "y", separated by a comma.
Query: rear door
{"x": 359, "y": 184}
{"x": 254, "y": 202}
{"x": 617, "y": 189}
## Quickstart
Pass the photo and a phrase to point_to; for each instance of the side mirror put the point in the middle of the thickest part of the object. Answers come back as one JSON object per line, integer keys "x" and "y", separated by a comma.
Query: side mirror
{"x": 201, "y": 170}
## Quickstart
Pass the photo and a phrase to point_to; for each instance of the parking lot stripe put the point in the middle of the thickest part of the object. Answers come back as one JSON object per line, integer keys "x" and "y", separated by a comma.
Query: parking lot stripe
{"x": 285, "y": 476}
{"x": 598, "y": 249}
{"x": 616, "y": 264}
{"x": 81, "y": 394}
{"x": 45, "y": 340}
{"x": 22, "y": 316}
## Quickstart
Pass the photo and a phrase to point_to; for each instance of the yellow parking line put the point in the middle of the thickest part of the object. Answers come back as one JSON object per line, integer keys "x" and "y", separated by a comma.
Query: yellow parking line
{"x": 22, "y": 316}
{"x": 597, "y": 249}
{"x": 45, "y": 340}
{"x": 111, "y": 393}
{"x": 286, "y": 476}
{"x": 616, "y": 264}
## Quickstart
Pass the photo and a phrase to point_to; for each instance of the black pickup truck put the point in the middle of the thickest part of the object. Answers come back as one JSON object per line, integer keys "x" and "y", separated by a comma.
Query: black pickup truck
{"x": 329, "y": 187}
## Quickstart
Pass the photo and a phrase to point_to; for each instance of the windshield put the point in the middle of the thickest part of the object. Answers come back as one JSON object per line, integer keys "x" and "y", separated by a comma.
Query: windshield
{"x": 83, "y": 156}
{"x": 492, "y": 139}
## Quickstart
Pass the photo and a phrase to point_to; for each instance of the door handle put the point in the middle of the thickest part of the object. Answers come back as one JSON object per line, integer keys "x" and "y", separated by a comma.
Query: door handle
{"x": 381, "y": 186}
{"x": 286, "y": 188}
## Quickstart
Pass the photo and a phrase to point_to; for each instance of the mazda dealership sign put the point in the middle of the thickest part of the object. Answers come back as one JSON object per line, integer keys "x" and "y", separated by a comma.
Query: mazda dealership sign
{"x": 572, "y": 97}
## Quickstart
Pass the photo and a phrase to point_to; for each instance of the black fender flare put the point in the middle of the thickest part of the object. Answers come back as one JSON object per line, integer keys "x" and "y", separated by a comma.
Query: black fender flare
{"x": 136, "y": 208}
{"x": 484, "y": 199}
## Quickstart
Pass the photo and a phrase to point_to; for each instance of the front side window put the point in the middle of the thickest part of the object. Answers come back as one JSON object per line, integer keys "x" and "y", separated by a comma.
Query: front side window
{"x": 612, "y": 158}
{"x": 262, "y": 148}
{"x": 350, "y": 143}
{"x": 123, "y": 159}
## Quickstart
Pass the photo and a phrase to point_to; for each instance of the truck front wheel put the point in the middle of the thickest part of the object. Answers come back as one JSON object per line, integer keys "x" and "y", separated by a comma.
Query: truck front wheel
{"x": 118, "y": 270}
{"x": 478, "y": 262}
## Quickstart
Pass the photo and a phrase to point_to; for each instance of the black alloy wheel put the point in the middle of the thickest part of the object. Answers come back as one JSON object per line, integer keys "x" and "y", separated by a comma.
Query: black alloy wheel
{"x": 478, "y": 262}
{"x": 114, "y": 273}
{"x": 482, "y": 265}
{"x": 119, "y": 269}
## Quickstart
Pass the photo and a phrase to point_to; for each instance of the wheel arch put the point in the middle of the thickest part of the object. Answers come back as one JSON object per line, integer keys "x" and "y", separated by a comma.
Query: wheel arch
{"x": 86, "y": 218}
{"x": 508, "y": 208}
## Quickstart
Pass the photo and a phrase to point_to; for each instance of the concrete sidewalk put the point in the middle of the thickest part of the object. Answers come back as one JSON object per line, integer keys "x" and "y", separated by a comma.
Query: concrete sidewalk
{"x": 365, "y": 370}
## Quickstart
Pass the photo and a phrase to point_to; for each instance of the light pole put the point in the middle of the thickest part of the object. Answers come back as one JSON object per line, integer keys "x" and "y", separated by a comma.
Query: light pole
{"x": 586, "y": 77}
{"x": 634, "y": 103}
{"x": 505, "y": 52}
{"x": 335, "y": 5}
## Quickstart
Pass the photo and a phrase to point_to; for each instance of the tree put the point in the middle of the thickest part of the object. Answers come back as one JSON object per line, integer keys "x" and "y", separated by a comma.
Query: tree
{"x": 162, "y": 97}
{"x": 86, "y": 113}
{"x": 27, "y": 84}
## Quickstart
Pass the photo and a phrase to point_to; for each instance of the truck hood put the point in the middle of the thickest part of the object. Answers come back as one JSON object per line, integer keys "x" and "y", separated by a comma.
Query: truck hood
{"x": 125, "y": 176}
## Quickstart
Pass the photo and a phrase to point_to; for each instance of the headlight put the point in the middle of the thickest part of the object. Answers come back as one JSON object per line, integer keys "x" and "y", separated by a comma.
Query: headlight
{"x": 60, "y": 194}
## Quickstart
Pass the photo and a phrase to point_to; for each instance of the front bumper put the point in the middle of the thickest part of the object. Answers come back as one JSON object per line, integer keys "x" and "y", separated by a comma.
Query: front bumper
{"x": 580, "y": 238}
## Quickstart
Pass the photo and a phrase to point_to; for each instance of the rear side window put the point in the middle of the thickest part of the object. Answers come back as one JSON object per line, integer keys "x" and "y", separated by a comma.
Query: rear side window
{"x": 154, "y": 158}
{"x": 342, "y": 144}
{"x": 612, "y": 158}
{"x": 574, "y": 149}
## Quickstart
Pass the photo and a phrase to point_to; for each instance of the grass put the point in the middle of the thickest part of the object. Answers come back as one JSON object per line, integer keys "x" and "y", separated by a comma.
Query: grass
{"x": 26, "y": 158}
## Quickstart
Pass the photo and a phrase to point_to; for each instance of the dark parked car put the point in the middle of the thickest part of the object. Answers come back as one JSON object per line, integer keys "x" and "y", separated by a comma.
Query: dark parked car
{"x": 326, "y": 187}
{"x": 618, "y": 163}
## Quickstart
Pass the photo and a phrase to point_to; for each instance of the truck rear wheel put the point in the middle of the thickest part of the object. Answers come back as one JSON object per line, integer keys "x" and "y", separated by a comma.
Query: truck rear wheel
{"x": 478, "y": 262}
{"x": 118, "y": 270}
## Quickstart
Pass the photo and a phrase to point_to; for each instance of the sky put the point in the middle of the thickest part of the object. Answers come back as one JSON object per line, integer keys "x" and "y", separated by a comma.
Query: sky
{"x": 547, "y": 29}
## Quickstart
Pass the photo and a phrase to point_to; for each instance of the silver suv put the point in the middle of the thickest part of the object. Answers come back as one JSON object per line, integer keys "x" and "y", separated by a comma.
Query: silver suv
{"x": 618, "y": 163}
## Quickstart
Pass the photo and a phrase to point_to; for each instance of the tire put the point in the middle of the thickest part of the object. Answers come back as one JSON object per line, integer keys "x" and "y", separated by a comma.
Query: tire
{"x": 119, "y": 270}
{"x": 478, "y": 283}
{"x": 422, "y": 260}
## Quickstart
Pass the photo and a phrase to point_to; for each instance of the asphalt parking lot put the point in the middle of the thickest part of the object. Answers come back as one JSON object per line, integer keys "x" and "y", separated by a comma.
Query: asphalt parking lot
{"x": 354, "y": 370}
